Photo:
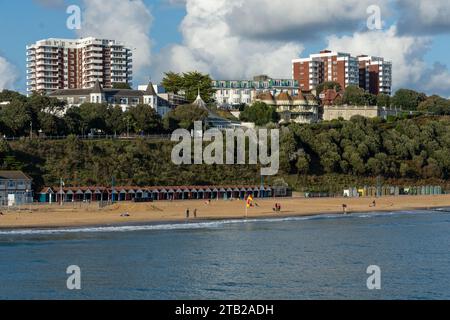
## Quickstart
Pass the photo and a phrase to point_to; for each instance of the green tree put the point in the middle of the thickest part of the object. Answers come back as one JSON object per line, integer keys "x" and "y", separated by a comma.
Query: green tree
{"x": 328, "y": 85}
{"x": 407, "y": 99}
{"x": 184, "y": 117}
{"x": 435, "y": 105}
{"x": 354, "y": 95}
{"x": 145, "y": 119}
{"x": 74, "y": 122}
{"x": 114, "y": 120}
{"x": 189, "y": 83}
{"x": 16, "y": 118}
{"x": 94, "y": 116}
{"x": 260, "y": 113}
{"x": 8, "y": 95}
{"x": 383, "y": 100}
{"x": 121, "y": 85}
{"x": 303, "y": 164}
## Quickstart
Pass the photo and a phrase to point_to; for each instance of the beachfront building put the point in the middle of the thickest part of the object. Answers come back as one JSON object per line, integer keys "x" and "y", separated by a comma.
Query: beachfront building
{"x": 55, "y": 64}
{"x": 230, "y": 94}
{"x": 15, "y": 188}
{"x": 301, "y": 108}
{"x": 138, "y": 194}
{"x": 121, "y": 97}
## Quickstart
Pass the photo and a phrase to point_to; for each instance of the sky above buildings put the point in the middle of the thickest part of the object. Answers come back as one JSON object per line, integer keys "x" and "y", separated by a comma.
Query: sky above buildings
{"x": 236, "y": 39}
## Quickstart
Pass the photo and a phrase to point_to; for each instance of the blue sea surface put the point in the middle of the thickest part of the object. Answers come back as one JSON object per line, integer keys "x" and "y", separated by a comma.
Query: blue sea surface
{"x": 322, "y": 257}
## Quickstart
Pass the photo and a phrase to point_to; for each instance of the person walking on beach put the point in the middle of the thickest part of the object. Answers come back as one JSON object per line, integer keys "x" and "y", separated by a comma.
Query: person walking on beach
{"x": 195, "y": 213}
{"x": 187, "y": 214}
{"x": 344, "y": 208}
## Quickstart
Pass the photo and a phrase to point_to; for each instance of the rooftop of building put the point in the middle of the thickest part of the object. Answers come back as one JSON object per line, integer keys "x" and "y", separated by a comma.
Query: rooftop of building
{"x": 111, "y": 92}
{"x": 13, "y": 175}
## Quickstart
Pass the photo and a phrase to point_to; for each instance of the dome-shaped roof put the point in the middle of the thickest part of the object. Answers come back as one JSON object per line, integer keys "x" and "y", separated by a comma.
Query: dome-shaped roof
{"x": 299, "y": 97}
{"x": 265, "y": 96}
{"x": 284, "y": 96}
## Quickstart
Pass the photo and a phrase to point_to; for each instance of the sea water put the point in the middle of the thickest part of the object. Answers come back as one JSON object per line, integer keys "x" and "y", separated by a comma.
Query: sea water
{"x": 322, "y": 257}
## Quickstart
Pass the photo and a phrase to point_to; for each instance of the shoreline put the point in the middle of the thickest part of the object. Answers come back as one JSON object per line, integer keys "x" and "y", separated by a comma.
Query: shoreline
{"x": 90, "y": 216}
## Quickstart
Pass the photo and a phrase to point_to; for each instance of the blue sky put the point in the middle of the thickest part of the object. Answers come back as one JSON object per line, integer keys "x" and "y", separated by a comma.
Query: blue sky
{"x": 235, "y": 39}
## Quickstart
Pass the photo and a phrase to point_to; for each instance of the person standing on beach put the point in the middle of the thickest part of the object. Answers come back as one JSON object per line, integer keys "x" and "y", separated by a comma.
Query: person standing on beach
{"x": 344, "y": 208}
{"x": 187, "y": 214}
{"x": 195, "y": 213}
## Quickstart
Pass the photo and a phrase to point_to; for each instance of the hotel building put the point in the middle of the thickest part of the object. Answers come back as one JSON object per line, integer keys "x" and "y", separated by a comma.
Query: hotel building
{"x": 230, "y": 93}
{"x": 370, "y": 73}
{"x": 55, "y": 64}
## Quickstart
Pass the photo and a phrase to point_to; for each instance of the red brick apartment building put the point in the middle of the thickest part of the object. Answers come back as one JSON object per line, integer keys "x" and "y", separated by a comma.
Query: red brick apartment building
{"x": 370, "y": 73}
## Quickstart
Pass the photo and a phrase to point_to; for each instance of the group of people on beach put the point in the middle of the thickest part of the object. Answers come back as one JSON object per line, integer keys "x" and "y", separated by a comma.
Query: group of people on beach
{"x": 345, "y": 207}
{"x": 188, "y": 213}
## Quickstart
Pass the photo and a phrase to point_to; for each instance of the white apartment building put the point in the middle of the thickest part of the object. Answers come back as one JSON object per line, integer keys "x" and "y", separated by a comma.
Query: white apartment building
{"x": 55, "y": 64}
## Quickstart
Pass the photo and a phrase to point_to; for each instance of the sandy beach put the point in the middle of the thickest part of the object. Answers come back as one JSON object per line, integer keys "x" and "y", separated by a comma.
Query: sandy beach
{"x": 78, "y": 215}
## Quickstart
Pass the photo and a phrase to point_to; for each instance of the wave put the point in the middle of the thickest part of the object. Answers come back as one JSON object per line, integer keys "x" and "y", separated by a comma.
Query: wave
{"x": 191, "y": 225}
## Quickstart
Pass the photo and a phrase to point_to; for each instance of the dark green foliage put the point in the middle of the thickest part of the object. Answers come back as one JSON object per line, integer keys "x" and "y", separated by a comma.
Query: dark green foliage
{"x": 260, "y": 113}
{"x": 407, "y": 99}
{"x": 354, "y": 95}
{"x": 189, "y": 83}
{"x": 435, "y": 105}
{"x": 328, "y": 85}
{"x": 121, "y": 85}
{"x": 184, "y": 117}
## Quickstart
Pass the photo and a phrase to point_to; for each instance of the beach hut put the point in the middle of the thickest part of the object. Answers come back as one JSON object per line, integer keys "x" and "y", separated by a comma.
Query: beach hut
{"x": 139, "y": 194}
{"x": 214, "y": 193}
{"x": 69, "y": 197}
{"x": 229, "y": 193}
{"x": 98, "y": 195}
{"x": 222, "y": 193}
{"x": 242, "y": 193}
{"x": 46, "y": 195}
{"x": 194, "y": 193}
{"x": 88, "y": 195}
{"x": 155, "y": 194}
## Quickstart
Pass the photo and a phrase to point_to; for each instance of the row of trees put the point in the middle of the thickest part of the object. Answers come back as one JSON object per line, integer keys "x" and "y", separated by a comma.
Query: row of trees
{"x": 24, "y": 116}
{"x": 403, "y": 98}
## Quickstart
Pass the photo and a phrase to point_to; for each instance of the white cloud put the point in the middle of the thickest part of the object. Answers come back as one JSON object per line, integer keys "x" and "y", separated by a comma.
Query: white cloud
{"x": 128, "y": 21}
{"x": 297, "y": 20}
{"x": 8, "y": 74}
{"x": 209, "y": 45}
{"x": 437, "y": 80}
{"x": 405, "y": 52}
{"x": 424, "y": 17}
